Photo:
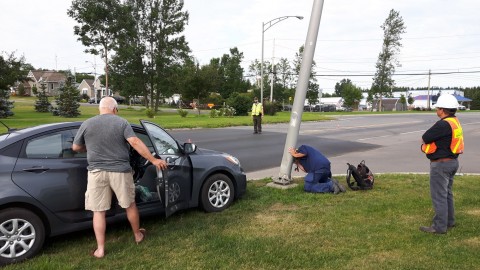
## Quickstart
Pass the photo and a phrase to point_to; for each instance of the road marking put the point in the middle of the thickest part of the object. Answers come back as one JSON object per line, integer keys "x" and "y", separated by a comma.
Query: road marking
{"x": 364, "y": 126}
{"x": 399, "y": 134}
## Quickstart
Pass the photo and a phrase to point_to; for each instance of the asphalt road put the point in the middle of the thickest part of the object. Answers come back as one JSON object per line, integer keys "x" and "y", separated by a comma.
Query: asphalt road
{"x": 388, "y": 143}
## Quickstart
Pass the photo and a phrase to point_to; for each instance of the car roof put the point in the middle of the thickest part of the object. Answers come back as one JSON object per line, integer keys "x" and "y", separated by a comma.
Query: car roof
{"x": 19, "y": 134}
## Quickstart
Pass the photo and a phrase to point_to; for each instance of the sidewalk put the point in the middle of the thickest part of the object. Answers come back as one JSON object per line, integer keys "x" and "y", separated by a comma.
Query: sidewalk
{"x": 271, "y": 173}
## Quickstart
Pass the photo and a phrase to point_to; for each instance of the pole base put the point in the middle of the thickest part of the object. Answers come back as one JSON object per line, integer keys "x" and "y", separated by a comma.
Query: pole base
{"x": 284, "y": 180}
{"x": 281, "y": 186}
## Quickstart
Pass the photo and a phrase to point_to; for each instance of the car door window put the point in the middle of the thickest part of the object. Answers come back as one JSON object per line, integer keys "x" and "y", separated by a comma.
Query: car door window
{"x": 162, "y": 141}
{"x": 54, "y": 145}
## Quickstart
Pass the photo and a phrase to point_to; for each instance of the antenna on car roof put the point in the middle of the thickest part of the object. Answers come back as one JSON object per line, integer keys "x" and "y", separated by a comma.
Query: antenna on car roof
{"x": 9, "y": 129}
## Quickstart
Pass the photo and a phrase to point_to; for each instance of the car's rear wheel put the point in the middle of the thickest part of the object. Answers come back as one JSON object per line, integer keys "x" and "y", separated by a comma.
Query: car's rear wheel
{"x": 22, "y": 234}
{"x": 217, "y": 193}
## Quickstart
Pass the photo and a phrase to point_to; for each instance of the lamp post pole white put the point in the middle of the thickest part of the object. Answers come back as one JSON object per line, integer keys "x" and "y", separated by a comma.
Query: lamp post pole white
{"x": 94, "y": 65}
{"x": 265, "y": 27}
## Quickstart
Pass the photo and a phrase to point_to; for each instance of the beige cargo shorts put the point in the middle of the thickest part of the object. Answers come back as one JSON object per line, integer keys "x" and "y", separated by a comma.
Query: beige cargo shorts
{"x": 100, "y": 186}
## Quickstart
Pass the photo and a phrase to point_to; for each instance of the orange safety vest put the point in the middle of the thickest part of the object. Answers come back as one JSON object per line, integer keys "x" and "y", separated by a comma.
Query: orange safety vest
{"x": 456, "y": 145}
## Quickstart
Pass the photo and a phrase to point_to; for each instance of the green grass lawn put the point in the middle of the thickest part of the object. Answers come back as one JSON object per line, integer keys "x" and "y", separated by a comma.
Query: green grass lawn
{"x": 278, "y": 229}
{"x": 290, "y": 229}
{"x": 25, "y": 116}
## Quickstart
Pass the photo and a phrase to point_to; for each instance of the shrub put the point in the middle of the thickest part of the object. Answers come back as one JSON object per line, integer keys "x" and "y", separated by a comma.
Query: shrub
{"x": 183, "y": 113}
{"x": 271, "y": 108}
{"x": 227, "y": 111}
{"x": 214, "y": 113}
{"x": 242, "y": 103}
{"x": 150, "y": 113}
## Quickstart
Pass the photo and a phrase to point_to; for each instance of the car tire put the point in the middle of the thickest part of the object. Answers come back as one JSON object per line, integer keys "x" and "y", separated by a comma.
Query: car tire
{"x": 22, "y": 235}
{"x": 217, "y": 194}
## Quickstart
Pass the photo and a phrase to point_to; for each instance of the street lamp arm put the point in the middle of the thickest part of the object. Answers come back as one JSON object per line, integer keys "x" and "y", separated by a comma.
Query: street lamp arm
{"x": 272, "y": 22}
{"x": 265, "y": 27}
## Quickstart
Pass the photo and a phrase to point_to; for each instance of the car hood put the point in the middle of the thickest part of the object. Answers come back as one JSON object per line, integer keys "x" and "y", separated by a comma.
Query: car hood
{"x": 209, "y": 152}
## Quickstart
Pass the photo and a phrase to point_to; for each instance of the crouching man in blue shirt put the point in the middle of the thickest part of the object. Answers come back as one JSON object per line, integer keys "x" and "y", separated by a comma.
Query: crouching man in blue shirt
{"x": 317, "y": 167}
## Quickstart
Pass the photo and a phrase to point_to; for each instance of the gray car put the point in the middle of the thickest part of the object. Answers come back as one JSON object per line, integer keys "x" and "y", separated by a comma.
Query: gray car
{"x": 43, "y": 183}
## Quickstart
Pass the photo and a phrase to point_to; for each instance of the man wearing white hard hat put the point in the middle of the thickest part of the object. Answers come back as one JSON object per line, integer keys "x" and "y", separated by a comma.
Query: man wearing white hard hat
{"x": 442, "y": 144}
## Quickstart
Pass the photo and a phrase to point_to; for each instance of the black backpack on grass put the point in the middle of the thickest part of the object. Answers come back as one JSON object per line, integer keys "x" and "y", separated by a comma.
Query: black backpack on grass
{"x": 362, "y": 177}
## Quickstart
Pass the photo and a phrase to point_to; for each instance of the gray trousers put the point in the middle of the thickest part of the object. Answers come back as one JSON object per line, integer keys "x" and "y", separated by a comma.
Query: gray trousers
{"x": 441, "y": 182}
{"x": 257, "y": 123}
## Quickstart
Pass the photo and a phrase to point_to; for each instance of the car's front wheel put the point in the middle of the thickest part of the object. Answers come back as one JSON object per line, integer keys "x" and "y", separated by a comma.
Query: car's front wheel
{"x": 217, "y": 193}
{"x": 22, "y": 234}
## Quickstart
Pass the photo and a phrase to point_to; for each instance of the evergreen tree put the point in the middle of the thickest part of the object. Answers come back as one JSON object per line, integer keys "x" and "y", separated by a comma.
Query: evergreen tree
{"x": 11, "y": 71}
{"x": 68, "y": 100}
{"x": 42, "y": 104}
{"x": 383, "y": 82}
{"x": 6, "y": 105}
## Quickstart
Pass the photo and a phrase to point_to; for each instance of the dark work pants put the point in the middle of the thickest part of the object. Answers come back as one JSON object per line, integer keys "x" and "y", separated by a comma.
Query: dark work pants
{"x": 257, "y": 123}
{"x": 441, "y": 182}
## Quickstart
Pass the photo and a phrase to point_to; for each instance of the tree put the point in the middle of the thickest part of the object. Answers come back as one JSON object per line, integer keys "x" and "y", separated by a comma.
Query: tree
{"x": 67, "y": 100}
{"x": 473, "y": 93}
{"x": 232, "y": 73}
{"x": 157, "y": 45}
{"x": 351, "y": 94}
{"x": 11, "y": 71}
{"x": 42, "y": 104}
{"x": 313, "y": 87}
{"x": 284, "y": 72}
{"x": 98, "y": 25}
{"x": 242, "y": 102}
{"x": 383, "y": 82}
{"x": 201, "y": 82}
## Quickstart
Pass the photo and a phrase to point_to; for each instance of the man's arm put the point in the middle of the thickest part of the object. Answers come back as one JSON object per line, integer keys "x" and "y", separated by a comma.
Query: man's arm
{"x": 79, "y": 148}
{"x": 142, "y": 149}
{"x": 294, "y": 153}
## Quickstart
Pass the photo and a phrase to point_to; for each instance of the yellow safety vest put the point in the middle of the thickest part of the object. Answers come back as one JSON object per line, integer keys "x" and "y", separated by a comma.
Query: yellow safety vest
{"x": 456, "y": 146}
{"x": 257, "y": 109}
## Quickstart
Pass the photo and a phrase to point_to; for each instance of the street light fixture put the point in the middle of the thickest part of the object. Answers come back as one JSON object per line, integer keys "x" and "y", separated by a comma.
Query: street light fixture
{"x": 265, "y": 27}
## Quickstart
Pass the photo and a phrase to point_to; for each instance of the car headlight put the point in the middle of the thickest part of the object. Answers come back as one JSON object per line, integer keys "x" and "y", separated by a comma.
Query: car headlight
{"x": 232, "y": 159}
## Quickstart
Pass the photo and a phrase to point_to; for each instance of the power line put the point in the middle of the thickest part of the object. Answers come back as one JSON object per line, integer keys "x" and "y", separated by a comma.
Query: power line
{"x": 395, "y": 74}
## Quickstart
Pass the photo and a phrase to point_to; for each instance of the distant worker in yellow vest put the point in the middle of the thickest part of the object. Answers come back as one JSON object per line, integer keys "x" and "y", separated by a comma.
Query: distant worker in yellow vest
{"x": 257, "y": 115}
{"x": 442, "y": 144}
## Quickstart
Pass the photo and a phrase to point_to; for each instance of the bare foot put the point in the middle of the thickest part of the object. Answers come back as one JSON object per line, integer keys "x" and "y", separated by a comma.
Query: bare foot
{"x": 97, "y": 254}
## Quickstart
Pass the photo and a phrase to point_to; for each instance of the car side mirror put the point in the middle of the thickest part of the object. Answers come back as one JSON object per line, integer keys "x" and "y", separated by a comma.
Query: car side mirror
{"x": 189, "y": 148}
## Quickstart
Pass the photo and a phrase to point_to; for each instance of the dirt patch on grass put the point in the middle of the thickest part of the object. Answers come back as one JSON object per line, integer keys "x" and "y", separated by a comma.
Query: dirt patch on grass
{"x": 473, "y": 212}
{"x": 472, "y": 242}
{"x": 282, "y": 207}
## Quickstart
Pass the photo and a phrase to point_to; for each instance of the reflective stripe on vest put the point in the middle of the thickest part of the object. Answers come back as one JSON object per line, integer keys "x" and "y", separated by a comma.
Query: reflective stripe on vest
{"x": 456, "y": 146}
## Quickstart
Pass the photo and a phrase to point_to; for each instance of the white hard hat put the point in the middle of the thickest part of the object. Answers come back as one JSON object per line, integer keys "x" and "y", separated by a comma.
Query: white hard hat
{"x": 447, "y": 101}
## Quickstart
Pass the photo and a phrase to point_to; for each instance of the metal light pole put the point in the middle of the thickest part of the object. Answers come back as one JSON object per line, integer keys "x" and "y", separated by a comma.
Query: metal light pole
{"x": 94, "y": 64}
{"x": 284, "y": 177}
{"x": 265, "y": 27}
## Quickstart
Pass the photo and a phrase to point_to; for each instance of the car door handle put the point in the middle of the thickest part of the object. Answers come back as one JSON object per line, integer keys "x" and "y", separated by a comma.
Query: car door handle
{"x": 36, "y": 169}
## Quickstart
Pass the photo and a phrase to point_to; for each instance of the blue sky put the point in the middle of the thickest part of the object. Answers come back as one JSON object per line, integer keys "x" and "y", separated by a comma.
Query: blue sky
{"x": 442, "y": 36}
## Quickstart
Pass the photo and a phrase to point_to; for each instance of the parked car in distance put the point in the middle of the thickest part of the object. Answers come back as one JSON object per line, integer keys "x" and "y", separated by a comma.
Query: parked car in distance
{"x": 44, "y": 182}
{"x": 92, "y": 100}
{"x": 287, "y": 108}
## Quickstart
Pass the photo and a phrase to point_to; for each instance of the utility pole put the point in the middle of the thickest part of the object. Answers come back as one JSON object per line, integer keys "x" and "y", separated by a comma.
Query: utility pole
{"x": 273, "y": 72}
{"x": 284, "y": 177}
{"x": 428, "y": 90}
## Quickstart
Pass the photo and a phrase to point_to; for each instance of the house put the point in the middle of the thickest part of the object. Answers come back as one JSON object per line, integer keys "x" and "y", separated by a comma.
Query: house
{"x": 390, "y": 104}
{"x": 90, "y": 87}
{"x": 421, "y": 101}
{"x": 53, "y": 80}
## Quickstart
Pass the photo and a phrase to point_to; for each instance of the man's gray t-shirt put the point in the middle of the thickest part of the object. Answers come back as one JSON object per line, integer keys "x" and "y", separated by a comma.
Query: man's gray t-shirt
{"x": 105, "y": 137}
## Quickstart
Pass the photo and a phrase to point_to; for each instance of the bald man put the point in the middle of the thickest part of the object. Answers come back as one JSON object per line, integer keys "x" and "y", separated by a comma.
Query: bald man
{"x": 106, "y": 139}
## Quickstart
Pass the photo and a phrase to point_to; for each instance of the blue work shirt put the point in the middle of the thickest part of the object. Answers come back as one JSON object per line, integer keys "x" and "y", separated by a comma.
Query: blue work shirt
{"x": 315, "y": 163}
